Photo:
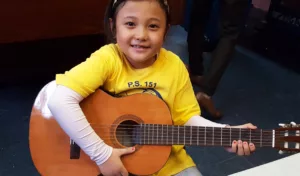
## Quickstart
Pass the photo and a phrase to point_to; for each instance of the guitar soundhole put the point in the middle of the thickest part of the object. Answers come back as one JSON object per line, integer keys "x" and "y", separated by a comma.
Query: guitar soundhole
{"x": 127, "y": 133}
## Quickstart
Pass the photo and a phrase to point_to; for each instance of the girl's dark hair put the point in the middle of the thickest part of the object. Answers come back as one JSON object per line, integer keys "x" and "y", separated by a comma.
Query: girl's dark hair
{"x": 111, "y": 12}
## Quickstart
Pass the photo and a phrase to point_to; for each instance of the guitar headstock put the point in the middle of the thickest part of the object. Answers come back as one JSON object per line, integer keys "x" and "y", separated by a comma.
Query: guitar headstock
{"x": 287, "y": 138}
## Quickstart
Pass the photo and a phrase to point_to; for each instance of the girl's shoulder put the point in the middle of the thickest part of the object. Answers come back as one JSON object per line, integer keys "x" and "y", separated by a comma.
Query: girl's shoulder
{"x": 172, "y": 59}
{"x": 110, "y": 52}
{"x": 109, "y": 49}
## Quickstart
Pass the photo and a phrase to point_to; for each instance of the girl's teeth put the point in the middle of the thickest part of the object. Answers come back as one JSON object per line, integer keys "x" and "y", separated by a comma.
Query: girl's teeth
{"x": 137, "y": 46}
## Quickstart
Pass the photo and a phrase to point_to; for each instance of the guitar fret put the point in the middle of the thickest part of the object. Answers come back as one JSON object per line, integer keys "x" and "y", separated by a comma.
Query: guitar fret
{"x": 148, "y": 133}
{"x": 152, "y": 133}
{"x": 141, "y": 127}
{"x": 191, "y": 136}
{"x": 144, "y": 134}
{"x": 261, "y": 138}
{"x": 197, "y": 135}
{"x": 205, "y": 136}
{"x": 172, "y": 134}
{"x": 221, "y": 137}
{"x": 167, "y": 135}
{"x": 213, "y": 136}
{"x": 178, "y": 135}
{"x": 157, "y": 134}
{"x": 183, "y": 135}
{"x": 230, "y": 138}
{"x": 250, "y": 135}
{"x": 162, "y": 133}
{"x": 240, "y": 134}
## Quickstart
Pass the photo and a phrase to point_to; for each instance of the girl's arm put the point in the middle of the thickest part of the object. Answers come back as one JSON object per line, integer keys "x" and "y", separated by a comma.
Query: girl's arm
{"x": 65, "y": 108}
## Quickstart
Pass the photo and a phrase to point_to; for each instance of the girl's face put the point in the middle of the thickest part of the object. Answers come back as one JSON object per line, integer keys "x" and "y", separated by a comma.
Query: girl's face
{"x": 140, "y": 31}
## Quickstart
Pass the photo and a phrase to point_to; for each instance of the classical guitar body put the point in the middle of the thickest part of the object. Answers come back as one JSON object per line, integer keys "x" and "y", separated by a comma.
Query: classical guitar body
{"x": 54, "y": 154}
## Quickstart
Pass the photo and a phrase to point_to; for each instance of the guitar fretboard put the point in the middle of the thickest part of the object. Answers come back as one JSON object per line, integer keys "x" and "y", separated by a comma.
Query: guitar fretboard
{"x": 157, "y": 134}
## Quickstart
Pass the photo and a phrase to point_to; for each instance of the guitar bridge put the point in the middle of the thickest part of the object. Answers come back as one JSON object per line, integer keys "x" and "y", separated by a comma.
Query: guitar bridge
{"x": 74, "y": 150}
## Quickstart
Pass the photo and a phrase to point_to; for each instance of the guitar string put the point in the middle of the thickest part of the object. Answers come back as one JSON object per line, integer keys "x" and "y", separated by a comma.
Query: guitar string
{"x": 162, "y": 132}
{"x": 223, "y": 135}
{"x": 200, "y": 142}
{"x": 193, "y": 144}
{"x": 167, "y": 140}
{"x": 217, "y": 132}
{"x": 170, "y": 125}
{"x": 187, "y": 138}
{"x": 176, "y": 127}
{"x": 255, "y": 133}
{"x": 190, "y": 138}
{"x": 128, "y": 144}
{"x": 154, "y": 127}
{"x": 195, "y": 141}
{"x": 200, "y": 129}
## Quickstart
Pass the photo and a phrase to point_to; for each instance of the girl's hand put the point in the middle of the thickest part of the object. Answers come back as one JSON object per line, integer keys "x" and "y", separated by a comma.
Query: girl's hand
{"x": 114, "y": 166}
{"x": 240, "y": 147}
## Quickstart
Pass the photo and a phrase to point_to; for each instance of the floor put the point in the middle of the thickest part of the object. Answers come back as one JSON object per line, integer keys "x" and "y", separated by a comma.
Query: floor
{"x": 253, "y": 89}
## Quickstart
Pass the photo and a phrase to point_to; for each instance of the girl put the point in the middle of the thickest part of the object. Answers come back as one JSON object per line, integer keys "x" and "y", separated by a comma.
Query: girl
{"x": 134, "y": 62}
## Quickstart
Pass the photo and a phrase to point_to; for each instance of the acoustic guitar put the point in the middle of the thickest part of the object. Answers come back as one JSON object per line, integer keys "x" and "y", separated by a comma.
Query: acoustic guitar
{"x": 140, "y": 120}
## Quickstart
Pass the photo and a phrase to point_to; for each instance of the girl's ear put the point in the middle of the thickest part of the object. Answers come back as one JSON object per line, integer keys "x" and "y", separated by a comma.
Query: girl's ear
{"x": 111, "y": 24}
{"x": 112, "y": 28}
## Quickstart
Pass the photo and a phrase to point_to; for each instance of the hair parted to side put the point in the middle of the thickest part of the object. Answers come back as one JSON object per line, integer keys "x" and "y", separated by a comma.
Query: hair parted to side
{"x": 112, "y": 10}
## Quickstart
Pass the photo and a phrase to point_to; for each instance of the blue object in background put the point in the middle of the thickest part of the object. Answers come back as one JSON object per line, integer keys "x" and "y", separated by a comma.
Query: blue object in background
{"x": 212, "y": 34}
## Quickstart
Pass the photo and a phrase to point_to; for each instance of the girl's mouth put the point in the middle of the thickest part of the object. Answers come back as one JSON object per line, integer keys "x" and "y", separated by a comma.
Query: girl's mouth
{"x": 140, "y": 48}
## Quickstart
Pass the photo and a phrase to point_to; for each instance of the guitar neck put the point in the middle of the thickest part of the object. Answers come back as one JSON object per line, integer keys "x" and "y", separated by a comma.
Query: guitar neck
{"x": 157, "y": 134}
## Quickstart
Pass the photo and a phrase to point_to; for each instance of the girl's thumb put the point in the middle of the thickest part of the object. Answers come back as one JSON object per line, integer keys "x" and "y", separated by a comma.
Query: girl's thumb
{"x": 127, "y": 150}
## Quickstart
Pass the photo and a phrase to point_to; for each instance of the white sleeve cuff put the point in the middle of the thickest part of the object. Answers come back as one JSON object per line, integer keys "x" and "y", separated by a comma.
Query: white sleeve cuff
{"x": 201, "y": 121}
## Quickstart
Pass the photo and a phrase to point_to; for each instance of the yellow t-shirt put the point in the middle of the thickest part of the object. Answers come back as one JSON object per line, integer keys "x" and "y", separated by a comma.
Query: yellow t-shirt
{"x": 167, "y": 78}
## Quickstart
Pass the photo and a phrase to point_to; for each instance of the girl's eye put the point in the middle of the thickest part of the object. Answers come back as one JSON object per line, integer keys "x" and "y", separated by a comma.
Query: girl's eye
{"x": 130, "y": 24}
{"x": 153, "y": 26}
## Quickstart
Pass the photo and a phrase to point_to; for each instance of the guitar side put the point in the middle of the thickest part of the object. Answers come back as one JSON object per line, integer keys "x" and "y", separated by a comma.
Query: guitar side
{"x": 49, "y": 144}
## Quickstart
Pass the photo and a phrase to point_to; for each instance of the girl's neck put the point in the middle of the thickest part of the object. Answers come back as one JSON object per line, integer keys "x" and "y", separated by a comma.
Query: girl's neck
{"x": 142, "y": 65}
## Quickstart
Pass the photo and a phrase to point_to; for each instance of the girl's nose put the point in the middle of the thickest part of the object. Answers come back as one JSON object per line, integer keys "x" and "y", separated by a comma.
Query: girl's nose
{"x": 141, "y": 34}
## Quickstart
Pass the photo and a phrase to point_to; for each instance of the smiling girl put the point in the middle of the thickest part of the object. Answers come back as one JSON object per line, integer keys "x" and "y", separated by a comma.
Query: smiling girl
{"x": 134, "y": 62}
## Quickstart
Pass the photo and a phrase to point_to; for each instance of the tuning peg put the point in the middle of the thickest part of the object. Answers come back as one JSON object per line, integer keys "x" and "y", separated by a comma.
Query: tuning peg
{"x": 283, "y": 125}
{"x": 297, "y": 146}
{"x": 281, "y": 152}
{"x": 293, "y": 124}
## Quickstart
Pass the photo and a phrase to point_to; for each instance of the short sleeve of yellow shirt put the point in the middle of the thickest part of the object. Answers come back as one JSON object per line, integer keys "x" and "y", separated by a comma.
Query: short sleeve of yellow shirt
{"x": 167, "y": 78}
{"x": 185, "y": 103}
{"x": 87, "y": 76}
